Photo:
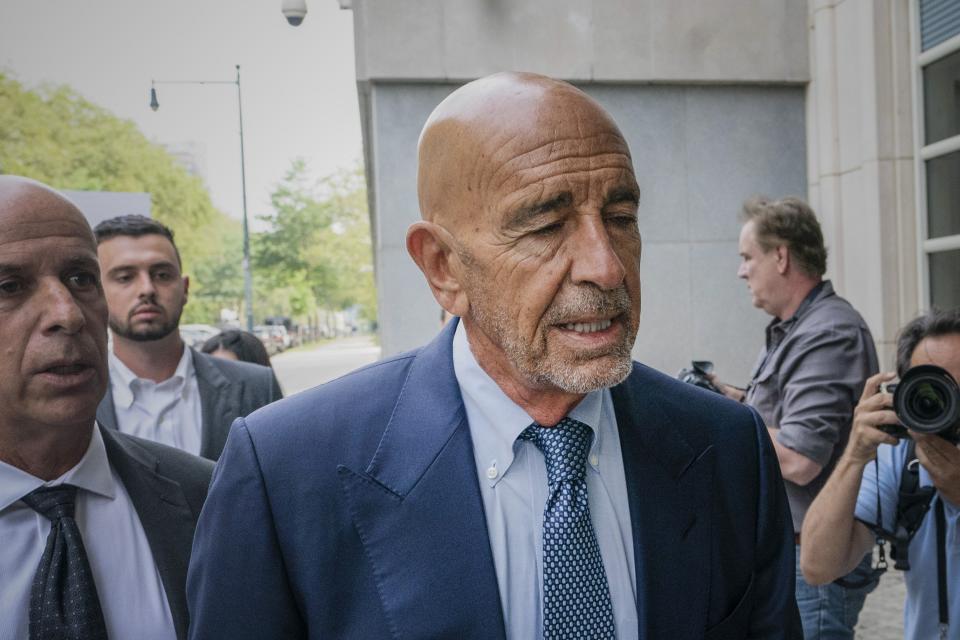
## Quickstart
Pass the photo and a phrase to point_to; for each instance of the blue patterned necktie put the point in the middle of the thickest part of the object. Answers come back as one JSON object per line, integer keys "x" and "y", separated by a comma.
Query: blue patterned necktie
{"x": 576, "y": 597}
{"x": 63, "y": 601}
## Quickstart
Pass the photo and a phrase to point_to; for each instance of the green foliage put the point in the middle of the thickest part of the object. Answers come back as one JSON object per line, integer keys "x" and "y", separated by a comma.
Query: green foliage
{"x": 216, "y": 279}
{"x": 317, "y": 250}
{"x": 55, "y": 136}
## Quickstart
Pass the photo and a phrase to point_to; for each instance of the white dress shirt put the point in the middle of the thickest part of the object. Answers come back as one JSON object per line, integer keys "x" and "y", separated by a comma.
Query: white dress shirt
{"x": 131, "y": 592}
{"x": 167, "y": 412}
{"x": 513, "y": 484}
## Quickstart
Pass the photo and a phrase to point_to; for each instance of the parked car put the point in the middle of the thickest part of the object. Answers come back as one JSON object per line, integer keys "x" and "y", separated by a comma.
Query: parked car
{"x": 268, "y": 338}
{"x": 280, "y": 333}
{"x": 291, "y": 331}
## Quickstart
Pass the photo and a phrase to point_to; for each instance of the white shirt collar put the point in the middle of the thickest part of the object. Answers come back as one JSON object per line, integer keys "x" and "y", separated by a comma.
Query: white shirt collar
{"x": 124, "y": 381}
{"x": 496, "y": 420}
{"x": 92, "y": 474}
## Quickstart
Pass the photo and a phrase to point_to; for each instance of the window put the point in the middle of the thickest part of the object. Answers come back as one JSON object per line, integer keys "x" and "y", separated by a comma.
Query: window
{"x": 938, "y": 149}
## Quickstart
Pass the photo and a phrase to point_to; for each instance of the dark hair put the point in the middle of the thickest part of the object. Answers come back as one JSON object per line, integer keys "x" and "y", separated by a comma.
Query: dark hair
{"x": 246, "y": 346}
{"x": 931, "y": 324}
{"x": 134, "y": 225}
{"x": 788, "y": 221}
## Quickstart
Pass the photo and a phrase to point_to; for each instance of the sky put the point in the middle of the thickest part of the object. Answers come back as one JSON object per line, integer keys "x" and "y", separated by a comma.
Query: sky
{"x": 298, "y": 84}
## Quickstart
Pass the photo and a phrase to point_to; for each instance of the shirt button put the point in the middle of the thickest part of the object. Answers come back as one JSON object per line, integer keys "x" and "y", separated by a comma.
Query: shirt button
{"x": 492, "y": 473}
{"x": 594, "y": 459}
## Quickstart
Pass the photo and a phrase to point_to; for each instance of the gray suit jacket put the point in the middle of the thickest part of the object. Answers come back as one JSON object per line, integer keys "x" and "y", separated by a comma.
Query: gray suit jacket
{"x": 167, "y": 488}
{"x": 228, "y": 390}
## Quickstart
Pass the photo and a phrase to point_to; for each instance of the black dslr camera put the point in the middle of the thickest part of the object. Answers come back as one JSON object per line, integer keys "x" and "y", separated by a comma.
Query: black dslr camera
{"x": 926, "y": 400}
{"x": 697, "y": 375}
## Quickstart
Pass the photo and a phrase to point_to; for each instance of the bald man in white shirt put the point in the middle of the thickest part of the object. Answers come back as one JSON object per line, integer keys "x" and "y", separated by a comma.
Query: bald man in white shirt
{"x": 112, "y": 513}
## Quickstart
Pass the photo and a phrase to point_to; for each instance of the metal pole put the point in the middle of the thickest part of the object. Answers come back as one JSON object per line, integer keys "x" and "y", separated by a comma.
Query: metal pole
{"x": 247, "y": 276}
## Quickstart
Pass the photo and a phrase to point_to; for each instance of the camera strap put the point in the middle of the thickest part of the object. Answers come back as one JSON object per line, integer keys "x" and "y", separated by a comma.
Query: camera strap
{"x": 913, "y": 502}
{"x": 942, "y": 568}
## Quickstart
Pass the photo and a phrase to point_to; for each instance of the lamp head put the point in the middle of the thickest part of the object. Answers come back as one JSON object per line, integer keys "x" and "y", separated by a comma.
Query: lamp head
{"x": 153, "y": 99}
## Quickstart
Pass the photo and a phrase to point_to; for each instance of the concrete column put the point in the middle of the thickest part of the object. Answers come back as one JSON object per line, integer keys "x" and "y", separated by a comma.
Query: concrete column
{"x": 860, "y": 157}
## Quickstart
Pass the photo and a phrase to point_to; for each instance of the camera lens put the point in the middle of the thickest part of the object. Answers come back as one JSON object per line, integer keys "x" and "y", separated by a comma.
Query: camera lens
{"x": 927, "y": 400}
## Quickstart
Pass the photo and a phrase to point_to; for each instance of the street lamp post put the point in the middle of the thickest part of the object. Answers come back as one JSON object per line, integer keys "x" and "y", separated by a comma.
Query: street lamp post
{"x": 247, "y": 276}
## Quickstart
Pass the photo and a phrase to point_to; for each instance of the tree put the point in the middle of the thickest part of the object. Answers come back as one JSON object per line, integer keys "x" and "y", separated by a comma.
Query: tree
{"x": 317, "y": 248}
{"x": 56, "y": 136}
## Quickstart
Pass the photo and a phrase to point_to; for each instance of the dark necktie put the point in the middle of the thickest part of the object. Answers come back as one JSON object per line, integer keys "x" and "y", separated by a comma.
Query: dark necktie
{"x": 576, "y": 597}
{"x": 63, "y": 600}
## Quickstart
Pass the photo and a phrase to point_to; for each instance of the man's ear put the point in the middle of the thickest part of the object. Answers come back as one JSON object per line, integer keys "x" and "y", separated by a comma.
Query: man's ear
{"x": 432, "y": 248}
{"x": 783, "y": 258}
{"x": 186, "y": 288}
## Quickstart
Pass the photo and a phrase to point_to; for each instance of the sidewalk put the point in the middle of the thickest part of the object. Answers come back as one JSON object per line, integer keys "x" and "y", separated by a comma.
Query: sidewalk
{"x": 882, "y": 614}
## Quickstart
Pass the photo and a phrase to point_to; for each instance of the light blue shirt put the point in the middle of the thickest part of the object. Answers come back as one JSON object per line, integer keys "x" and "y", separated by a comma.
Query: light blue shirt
{"x": 921, "y": 616}
{"x": 513, "y": 484}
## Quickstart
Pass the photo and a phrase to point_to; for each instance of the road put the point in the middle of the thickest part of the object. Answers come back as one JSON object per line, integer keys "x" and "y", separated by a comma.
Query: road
{"x": 305, "y": 368}
{"x": 882, "y": 615}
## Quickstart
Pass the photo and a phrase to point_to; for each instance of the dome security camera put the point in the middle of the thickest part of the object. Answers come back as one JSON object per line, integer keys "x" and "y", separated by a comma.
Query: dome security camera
{"x": 294, "y": 11}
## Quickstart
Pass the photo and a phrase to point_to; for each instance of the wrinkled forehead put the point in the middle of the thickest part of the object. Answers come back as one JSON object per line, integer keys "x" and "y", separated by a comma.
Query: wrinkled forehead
{"x": 481, "y": 133}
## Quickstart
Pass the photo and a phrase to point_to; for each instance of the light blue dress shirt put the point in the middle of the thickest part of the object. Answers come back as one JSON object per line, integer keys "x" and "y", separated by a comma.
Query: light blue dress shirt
{"x": 513, "y": 484}
{"x": 920, "y": 611}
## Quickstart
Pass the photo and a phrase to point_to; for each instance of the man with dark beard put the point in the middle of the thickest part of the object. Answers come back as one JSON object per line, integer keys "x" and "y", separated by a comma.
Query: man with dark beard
{"x": 160, "y": 388}
{"x": 519, "y": 476}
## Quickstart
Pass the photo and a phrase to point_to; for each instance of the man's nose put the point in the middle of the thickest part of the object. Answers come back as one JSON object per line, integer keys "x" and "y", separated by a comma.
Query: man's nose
{"x": 742, "y": 271}
{"x": 595, "y": 259}
{"x": 145, "y": 285}
{"x": 61, "y": 311}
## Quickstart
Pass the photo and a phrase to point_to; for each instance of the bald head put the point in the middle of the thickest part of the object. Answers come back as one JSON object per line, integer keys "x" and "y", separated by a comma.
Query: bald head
{"x": 27, "y": 204}
{"x": 484, "y": 124}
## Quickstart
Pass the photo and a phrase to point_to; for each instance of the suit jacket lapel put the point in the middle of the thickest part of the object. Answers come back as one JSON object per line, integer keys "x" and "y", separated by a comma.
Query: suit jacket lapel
{"x": 165, "y": 515}
{"x": 418, "y": 509}
{"x": 668, "y": 488}
{"x": 219, "y": 404}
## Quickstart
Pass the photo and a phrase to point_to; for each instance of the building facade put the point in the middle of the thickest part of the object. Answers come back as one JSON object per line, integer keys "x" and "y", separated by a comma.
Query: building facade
{"x": 850, "y": 103}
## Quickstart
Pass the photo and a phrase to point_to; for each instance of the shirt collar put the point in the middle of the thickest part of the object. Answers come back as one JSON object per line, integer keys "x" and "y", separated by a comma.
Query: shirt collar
{"x": 823, "y": 286}
{"x": 120, "y": 380}
{"x": 92, "y": 474}
{"x": 496, "y": 420}
{"x": 185, "y": 367}
{"x": 123, "y": 380}
{"x": 778, "y": 328}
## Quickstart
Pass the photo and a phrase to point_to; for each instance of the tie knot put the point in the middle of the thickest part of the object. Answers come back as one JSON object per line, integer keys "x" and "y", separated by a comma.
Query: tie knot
{"x": 564, "y": 448}
{"x": 53, "y": 503}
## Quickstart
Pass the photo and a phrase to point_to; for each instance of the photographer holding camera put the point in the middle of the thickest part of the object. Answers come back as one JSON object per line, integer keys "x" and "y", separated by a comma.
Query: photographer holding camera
{"x": 817, "y": 355}
{"x": 863, "y": 497}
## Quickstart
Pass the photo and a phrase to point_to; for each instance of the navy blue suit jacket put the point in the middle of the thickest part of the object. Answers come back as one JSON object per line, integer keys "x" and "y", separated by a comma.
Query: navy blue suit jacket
{"x": 354, "y": 511}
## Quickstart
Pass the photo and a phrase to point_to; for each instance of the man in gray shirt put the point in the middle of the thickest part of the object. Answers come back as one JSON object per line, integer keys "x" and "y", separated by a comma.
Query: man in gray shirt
{"x": 807, "y": 380}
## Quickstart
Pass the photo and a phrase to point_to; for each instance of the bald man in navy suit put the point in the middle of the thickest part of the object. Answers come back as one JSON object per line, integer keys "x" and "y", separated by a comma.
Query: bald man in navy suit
{"x": 519, "y": 476}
